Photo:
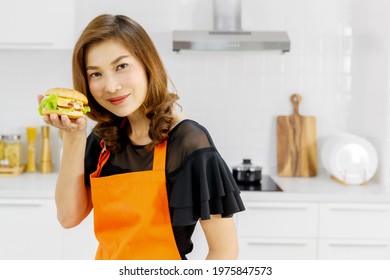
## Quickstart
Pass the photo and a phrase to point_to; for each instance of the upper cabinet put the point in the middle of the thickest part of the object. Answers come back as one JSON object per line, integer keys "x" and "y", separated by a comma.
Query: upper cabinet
{"x": 36, "y": 24}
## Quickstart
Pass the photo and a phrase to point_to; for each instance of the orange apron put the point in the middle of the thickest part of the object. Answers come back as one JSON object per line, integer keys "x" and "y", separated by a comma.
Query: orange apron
{"x": 131, "y": 213}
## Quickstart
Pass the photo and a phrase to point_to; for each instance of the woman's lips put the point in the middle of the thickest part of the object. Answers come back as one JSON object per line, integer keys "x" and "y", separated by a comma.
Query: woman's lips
{"x": 118, "y": 100}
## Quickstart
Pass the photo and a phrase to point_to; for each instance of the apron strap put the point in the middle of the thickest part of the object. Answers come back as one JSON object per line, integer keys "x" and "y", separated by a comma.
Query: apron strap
{"x": 103, "y": 157}
{"x": 159, "y": 156}
{"x": 124, "y": 121}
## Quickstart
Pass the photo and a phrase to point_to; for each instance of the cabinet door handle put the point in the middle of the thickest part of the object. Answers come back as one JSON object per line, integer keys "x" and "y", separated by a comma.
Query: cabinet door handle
{"x": 25, "y": 44}
{"x": 264, "y": 207}
{"x": 379, "y": 245}
{"x": 262, "y": 243}
{"x": 356, "y": 209}
{"x": 21, "y": 204}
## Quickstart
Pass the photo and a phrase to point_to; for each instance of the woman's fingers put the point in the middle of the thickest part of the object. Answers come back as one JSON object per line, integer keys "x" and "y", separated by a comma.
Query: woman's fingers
{"x": 39, "y": 98}
{"x": 64, "y": 122}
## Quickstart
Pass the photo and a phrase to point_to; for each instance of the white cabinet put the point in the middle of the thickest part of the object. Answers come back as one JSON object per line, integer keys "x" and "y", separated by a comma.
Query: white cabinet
{"x": 29, "y": 229}
{"x": 357, "y": 220}
{"x": 320, "y": 230}
{"x": 275, "y": 230}
{"x": 354, "y": 231}
{"x": 31, "y": 24}
{"x": 354, "y": 249}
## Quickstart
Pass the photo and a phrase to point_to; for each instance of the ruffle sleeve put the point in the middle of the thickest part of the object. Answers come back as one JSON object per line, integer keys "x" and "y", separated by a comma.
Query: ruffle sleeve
{"x": 203, "y": 186}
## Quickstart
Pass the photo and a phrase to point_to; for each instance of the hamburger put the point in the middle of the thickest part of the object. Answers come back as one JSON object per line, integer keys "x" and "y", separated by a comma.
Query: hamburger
{"x": 64, "y": 101}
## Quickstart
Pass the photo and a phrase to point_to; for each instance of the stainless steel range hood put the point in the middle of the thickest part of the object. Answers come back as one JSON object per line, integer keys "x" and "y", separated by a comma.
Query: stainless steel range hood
{"x": 231, "y": 41}
{"x": 228, "y": 35}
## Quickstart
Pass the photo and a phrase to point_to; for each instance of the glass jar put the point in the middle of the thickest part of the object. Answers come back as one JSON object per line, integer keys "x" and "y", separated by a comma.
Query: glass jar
{"x": 11, "y": 150}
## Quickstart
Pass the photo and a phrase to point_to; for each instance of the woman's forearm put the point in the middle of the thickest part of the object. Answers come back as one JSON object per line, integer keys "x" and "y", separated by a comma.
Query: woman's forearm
{"x": 221, "y": 238}
{"x": 72, "y": 197}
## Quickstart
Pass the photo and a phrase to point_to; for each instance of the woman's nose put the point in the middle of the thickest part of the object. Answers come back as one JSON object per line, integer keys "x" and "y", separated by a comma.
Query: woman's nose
{"x": 112, "y": 85}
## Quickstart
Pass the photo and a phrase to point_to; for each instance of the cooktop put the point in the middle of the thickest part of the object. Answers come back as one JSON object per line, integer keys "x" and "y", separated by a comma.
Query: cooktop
{"x": 266, "y": 184}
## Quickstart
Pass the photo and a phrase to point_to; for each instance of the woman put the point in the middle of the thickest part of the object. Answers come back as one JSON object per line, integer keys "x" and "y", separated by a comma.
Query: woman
{"x": 149, "y": 173}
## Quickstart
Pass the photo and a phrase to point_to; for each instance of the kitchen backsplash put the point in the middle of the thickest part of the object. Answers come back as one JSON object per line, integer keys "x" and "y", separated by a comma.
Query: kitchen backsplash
{"x": 339, "y": 63}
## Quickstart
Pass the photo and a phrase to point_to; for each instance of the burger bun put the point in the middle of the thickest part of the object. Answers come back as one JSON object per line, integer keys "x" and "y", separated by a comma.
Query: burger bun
{"x": 71, "y": 115}
{"x": 68, "y": 94}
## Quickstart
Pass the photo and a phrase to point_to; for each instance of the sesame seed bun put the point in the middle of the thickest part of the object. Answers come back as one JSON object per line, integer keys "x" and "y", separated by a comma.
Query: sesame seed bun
{"x": 69, "y": 94}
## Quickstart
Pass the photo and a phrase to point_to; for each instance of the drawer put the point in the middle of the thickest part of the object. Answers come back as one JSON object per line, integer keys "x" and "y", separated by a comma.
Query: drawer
{"x": 275, "y": 219}
{"x": 354, "y": 249}
{"x": 341, "y": 220}
{"x": 277, "y": 249}
{"x": 29, "y": 230}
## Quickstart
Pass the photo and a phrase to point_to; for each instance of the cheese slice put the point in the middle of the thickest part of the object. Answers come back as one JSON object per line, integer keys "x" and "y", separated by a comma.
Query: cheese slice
{"x": 63, "y": 101}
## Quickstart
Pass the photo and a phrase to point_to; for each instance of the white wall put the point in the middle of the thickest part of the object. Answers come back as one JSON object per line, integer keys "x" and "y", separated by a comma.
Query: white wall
{"x": 369, "y": 104}
{"x": 338, "y": 62}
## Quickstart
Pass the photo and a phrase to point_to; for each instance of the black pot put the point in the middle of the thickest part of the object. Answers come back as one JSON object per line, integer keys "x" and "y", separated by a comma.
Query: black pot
{"x": 247, "y": 172}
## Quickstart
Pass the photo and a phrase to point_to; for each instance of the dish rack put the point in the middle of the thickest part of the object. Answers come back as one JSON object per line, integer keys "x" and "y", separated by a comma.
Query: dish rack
{"x": 343, "y": 180}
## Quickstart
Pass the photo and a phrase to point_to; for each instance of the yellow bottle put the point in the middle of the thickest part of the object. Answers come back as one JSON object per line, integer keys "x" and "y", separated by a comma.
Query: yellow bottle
{"x": 46, "y": 164}
{"x": 31, "y": 137}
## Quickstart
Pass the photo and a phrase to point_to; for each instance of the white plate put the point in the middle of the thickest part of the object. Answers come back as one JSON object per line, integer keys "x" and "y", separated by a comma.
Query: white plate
{"x": 350, "y": 158}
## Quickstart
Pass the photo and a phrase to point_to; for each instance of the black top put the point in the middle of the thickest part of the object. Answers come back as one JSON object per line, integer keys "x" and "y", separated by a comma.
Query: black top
{"x": 199, "y": 183}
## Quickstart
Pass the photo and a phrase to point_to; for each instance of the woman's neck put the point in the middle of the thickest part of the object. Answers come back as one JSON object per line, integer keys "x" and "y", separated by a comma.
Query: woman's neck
{"x": 140, "y": 126}
{"x": 139, "y": 134}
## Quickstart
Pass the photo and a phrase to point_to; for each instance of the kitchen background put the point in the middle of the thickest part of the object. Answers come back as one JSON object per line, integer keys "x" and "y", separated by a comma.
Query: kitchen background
{"x": 339, "y": 63}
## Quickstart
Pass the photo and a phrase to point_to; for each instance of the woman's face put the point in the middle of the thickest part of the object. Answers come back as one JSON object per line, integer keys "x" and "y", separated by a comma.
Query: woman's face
{"x": 117, "y": 80}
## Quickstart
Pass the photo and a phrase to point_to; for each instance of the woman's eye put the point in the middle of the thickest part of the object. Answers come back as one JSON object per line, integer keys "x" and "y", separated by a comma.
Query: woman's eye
{"x": 122, "y": 66}
{"x": 94, "y": 75}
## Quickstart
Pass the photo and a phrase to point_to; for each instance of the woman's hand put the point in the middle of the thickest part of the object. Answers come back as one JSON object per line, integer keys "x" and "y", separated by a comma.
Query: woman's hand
{"x": 66, "y": 124}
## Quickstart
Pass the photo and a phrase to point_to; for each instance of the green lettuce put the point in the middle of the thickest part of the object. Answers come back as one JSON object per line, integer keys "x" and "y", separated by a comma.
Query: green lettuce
{"x": 50, "y": 103}
{"x": 86, "y": 109}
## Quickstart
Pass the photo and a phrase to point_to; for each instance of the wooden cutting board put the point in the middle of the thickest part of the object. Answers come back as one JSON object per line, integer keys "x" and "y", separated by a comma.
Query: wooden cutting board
{"x": 297, "y": 143}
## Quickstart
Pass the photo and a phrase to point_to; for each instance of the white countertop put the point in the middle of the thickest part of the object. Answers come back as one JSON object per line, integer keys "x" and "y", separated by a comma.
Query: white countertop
{"x": 28, "y": 185}
{"x": 321, "y": 188}
{"x": 314, "y": 189}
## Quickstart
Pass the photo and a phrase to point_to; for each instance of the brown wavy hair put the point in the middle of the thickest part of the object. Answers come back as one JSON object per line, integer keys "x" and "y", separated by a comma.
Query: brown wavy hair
{"x": 158, "y": 102}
